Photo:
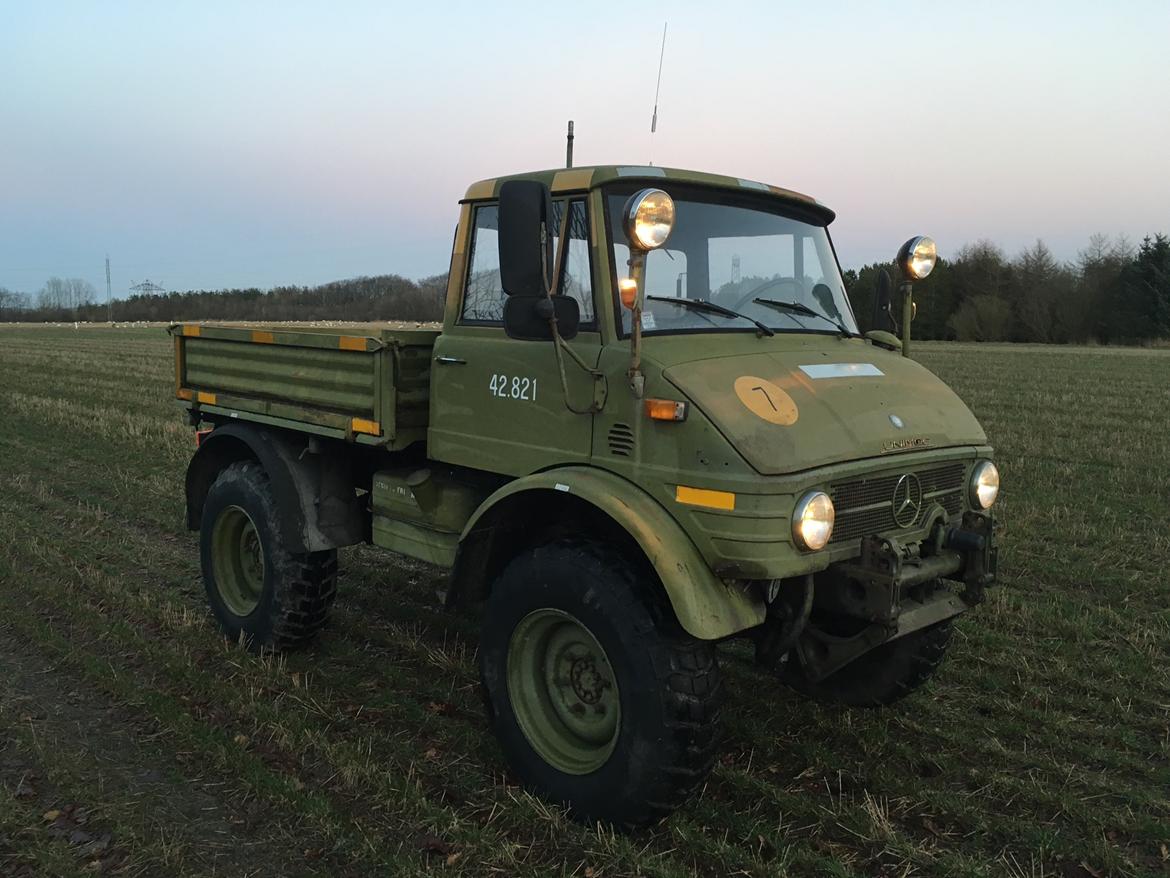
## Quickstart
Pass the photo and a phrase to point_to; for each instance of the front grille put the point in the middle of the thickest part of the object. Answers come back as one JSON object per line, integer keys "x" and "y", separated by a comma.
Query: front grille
{"x": 866, "y": 506}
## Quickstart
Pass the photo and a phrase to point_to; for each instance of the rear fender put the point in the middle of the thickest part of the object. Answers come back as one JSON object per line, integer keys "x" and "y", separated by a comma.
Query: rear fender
{"x": 705, "y": 605}
{"x": 314, "y": 493}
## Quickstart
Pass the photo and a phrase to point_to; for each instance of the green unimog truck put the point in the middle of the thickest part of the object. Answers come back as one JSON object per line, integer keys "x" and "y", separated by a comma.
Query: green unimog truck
{"x": 648, "y": 425}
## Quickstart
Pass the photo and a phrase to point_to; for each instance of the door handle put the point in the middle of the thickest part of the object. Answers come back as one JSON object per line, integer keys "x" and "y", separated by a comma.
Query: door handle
{"x": 447, "y": 361}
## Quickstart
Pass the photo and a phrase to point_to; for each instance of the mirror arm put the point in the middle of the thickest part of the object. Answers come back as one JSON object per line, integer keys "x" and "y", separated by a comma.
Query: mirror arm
{"x": 559, "y": 344}
{"x": 551, "y": 284}
{"x": 907, "y": 290}
{"x": 637, "y": 265}
{"x": 599, "y": 389}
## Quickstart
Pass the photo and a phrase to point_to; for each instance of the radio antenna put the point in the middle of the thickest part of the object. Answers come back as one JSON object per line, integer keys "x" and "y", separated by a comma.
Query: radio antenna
{"x": 657, "y": 89}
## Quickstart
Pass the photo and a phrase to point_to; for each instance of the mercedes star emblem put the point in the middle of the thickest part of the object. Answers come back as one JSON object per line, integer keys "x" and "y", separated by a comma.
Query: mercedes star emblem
{"x": 907, "y": 500}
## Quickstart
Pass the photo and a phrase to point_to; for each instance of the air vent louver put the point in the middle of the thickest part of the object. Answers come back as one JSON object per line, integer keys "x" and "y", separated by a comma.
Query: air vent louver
{"x": 621, "y": 440}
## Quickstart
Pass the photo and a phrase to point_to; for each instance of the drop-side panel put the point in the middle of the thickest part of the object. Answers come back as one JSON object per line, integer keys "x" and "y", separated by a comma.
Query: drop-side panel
{"x": 373, "y": 387}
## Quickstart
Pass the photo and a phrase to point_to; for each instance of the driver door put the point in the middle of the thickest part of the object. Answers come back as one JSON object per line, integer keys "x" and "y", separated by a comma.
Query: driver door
{"x": 496, "y": 402}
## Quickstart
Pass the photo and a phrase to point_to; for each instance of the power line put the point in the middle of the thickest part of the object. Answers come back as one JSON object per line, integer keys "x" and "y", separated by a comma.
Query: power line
{"x": 146, "y": 287}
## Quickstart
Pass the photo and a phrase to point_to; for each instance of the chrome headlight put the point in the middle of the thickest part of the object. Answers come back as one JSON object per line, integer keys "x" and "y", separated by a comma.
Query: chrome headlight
{"x": 812, "y": 521}
{"x": 917, "y": 257}
{"x": 649, "y": 218}
{"x": 984, "y": 485}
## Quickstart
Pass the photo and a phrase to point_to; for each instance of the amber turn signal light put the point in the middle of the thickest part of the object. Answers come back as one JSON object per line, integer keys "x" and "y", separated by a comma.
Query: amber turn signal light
{"x": 666, "y": 410}
{"x": 628, "y": 288}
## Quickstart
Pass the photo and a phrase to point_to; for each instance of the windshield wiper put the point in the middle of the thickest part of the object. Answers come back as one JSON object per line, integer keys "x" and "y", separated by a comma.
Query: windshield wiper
{"x": 801, "y": 308}
{"x": 712, "y": 308}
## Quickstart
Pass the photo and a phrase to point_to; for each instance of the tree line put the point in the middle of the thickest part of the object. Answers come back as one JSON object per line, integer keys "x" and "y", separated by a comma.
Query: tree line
{"x": 1112, "y": 293}
{"x": 385, "y": 297}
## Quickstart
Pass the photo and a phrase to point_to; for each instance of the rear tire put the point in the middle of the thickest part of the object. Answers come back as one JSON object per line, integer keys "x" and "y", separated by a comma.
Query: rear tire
{"x": 883, "y": 675}
{"x": 259, "y": 591}
{"x": 599, "y": 700}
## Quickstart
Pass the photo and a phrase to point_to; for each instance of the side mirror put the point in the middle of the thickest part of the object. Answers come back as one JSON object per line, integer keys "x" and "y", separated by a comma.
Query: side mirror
{"x": 525, "y": 212}
{"x": 884, "y": 339}
{"x": 526, "y": 317}
{"x": 883, "y": 314}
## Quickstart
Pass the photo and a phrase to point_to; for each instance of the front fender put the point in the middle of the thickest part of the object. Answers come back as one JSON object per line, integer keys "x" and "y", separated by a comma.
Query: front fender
{"x": 705, "y": 605}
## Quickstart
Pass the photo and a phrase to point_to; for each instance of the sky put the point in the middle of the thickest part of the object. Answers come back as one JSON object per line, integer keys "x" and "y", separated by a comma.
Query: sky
{"x": 209, "y": 145}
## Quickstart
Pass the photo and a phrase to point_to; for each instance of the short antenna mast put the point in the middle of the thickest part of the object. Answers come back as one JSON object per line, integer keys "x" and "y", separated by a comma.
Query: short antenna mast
{"x": 657, "y": 89}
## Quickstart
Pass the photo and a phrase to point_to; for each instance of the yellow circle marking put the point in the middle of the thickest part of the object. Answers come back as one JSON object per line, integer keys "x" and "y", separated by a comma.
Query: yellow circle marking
{"x": 765, "y": 400}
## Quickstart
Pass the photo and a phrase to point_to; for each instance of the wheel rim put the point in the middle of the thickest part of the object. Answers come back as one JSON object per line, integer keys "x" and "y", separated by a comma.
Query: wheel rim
{"x": 237, "y": 560}
{"x": 563, "y": 691}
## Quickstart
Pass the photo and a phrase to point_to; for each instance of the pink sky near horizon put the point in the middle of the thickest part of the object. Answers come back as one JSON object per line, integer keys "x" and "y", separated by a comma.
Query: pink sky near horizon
{"x": 207, "y": 145}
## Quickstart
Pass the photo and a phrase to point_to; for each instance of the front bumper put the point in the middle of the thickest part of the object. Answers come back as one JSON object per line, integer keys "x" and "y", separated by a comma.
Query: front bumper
{"x": 893, "y": 587}
{"x": 888, "y": 569}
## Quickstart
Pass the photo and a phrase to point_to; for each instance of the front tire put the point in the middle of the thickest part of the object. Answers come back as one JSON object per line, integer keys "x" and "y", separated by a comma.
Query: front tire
{"x": 600, "y": 702}
{"x": 258, "y": 590}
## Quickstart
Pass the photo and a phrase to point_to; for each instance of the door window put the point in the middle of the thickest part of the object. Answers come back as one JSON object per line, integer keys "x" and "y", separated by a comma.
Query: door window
{"x": 577, "y": 280}
{"x": 483, "y": 299}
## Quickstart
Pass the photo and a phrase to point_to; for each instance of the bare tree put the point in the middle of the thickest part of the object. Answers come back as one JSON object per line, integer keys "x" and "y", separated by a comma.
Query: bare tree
{"x": 80, "y": 292}
{"x": 52, "y": 295}
{"x": 65, "y": 294}
{"x": 12, "y": 304}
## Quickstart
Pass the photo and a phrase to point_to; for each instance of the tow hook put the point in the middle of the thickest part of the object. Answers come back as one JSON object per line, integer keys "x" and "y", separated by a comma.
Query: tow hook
{"x": 975, "y": 540}
{"x": 964, "y": 540}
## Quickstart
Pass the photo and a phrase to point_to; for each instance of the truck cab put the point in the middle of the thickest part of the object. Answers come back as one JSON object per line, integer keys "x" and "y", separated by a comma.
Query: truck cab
{"x": 652, "y": 425}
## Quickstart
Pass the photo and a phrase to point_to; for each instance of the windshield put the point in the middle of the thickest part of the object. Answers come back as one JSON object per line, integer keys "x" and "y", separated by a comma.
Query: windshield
{"x": 744, "y": 254}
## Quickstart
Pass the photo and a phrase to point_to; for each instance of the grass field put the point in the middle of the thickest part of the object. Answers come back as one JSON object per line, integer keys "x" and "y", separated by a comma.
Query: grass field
{"x": 134, "y": 741}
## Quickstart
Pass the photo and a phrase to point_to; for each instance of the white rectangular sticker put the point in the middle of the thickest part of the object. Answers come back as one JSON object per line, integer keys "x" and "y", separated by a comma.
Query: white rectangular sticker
{"x": 641, "y": 172}
{"x": 841, "y": 370}
{"x": 648, "y": 323}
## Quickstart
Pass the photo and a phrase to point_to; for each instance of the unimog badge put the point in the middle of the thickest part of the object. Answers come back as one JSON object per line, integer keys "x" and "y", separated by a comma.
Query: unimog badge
{"x": 907, "y": 444}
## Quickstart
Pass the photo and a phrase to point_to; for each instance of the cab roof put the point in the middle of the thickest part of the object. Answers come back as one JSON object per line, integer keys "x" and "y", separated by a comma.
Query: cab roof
{"x": 564, "y": 180}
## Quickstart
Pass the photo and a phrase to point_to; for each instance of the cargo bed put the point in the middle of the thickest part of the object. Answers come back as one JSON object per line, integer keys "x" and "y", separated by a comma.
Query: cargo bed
{"x": 368, "y": 382}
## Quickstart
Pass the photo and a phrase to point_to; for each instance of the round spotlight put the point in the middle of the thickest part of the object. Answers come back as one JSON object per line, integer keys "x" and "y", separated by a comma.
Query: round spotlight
{"x": 918, "y": 257}
{"x": 649, "y": 218}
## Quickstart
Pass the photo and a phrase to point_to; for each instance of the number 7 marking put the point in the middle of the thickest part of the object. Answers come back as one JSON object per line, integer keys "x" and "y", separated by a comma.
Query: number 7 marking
{"x": 763, "y": 391}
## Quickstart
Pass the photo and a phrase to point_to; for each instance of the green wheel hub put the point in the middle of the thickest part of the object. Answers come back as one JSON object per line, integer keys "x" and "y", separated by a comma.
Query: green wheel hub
{"x": 563, "y": 691}
{"x": 237, "y": 560}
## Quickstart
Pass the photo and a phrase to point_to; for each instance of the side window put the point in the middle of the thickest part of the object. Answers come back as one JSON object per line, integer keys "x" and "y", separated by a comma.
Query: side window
{"x": 483, "y": 297}
{"x": 578, "y": 279}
